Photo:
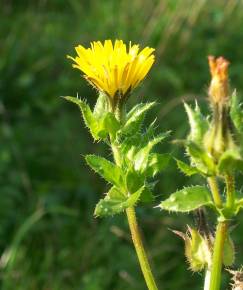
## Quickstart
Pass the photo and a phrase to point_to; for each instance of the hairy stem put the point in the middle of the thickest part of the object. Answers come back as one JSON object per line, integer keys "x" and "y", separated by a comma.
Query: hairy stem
{"x": 142, "y": 257}
{"x": 215, "y": 191}
{"x": 136, "y": 236}
{"x": 218, "y": 251}
{"x": 230, "y": 191}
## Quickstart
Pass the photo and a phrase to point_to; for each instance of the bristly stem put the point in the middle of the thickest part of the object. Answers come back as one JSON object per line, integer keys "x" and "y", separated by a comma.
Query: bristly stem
{"x": 218, "y": 251}
{"x": 215, "y": 191}
{"x": 136, "y": 236}
{"x": 142, "y": 257}
{"x": 221, "y": 232}
{"x": 230, "y": 191}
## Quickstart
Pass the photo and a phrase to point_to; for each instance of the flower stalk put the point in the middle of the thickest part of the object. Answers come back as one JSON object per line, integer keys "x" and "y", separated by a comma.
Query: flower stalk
{"x": 141, "y": 253}
{"x": 230, "y": 191}
{"x": 115, "y": 70}
{"x": 215, "y": 191}
{"x": 218, "y": 251}
{"x": 136, "y": 235}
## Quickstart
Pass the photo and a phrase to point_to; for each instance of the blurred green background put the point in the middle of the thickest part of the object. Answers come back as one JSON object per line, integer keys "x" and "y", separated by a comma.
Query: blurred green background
{"x": 49, "y": 239}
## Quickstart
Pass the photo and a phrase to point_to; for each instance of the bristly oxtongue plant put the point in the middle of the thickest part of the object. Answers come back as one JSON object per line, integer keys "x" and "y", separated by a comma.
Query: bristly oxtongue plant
{"x": 115, "y": 70}
{"x": 215, "y": 149}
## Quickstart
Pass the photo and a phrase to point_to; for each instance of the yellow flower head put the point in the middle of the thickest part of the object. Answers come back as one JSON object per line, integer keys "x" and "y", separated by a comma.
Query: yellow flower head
{"x": 114, "y": 69}
{"x": 218, "y": 89}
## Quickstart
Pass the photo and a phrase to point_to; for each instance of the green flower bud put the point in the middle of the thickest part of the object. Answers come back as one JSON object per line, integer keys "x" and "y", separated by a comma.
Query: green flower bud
{"x": 197, "y": 249}
{"x": 221, "y": 136}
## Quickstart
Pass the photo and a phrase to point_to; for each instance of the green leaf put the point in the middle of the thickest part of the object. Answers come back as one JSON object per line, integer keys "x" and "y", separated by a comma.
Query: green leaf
{"x": 198, "y": 124}
{"x": 106, "y": 169}
{"x": 101, "y": 106}
{"x": 230, "y": 161}
{"x": 238, "y": 205}
{"x": 134, "y": 181}
{"x": 135, "y": 118}
{"x": 203, "y": 162}
{"x": 236, "y": 112}
{"x": 89, "y": 120}
{"x": 156, "y": 163}
{"x": 111, "y": 124}
{"x": 147, "y": 195}
{"x": 115, "y": 202}
{"x": 187, "y": 199}
{"x": 187, "y": 169}
{"x": 229, "y": 252}
{"x": 100, "y": 122}
{"x": 142, "y": 157}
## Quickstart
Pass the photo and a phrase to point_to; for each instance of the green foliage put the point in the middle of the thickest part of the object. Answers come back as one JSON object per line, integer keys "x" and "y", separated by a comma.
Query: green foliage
{"x": 186, "y": 169}
{"x": 135, "y": 162}
{"x": 96, "y": 128}
{"x": 100, "y": 124}
{"x": 101, "y": 106}
{"x": 116, "y": 202}
{"x": 156, "y": 163}
{"x": 229, "y": 252}
{"x": 236, "y": 112}
{"x": 143, "y": 157}
{"x": 200, "y": 158}
{"x": 230, "y": 161}
{"x": 198, "y": 124}
{"x": 238, "y": 205}
{"x": 134, "y": 180}
{"x": 187, "y": 199}
{"x": 135, "y": 118}
{"x": 106, "y": 169}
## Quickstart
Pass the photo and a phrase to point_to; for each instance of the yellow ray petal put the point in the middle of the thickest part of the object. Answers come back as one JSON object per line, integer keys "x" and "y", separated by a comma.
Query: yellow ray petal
{"x": 112, "y": 67}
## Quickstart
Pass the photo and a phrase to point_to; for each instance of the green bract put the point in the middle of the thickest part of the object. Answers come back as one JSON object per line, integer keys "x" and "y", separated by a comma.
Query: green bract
{"x": 197, "y": 250}
{"x": 198, "y": 123}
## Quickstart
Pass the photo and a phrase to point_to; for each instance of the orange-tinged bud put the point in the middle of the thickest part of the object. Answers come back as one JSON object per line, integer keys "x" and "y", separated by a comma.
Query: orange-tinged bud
{"x": 220, "y": 136}
{"x": 218, "y": 90}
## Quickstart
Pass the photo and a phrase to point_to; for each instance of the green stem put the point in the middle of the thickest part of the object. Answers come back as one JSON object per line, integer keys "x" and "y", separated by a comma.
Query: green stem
{"x": 230, "y": 191}
{"x": 218, "y": 252}
{"x": 142, "y": 257}
{"x": 215, "y": 191}
{"x": 116, "y": 154}
{"x": 135, "y": 233}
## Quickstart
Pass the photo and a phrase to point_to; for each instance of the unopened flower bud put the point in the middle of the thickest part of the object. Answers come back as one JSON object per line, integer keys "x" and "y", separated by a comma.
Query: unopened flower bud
{"x": 197, "y": 249}
{"x": 219, "y": 88}
{"x": 220, "y": 136}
